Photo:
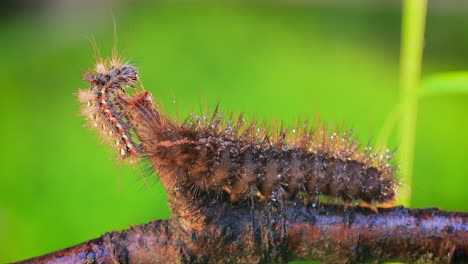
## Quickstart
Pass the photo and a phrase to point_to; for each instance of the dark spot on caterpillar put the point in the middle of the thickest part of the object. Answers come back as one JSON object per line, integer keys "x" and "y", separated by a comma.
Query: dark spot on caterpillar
{"x": 449, "y": 229}
{"x": 215, "y": 155}
{"x": 128, "y": 74}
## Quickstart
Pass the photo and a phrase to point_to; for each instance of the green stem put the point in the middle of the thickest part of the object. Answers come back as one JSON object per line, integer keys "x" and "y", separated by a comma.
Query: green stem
{"x": 414, "y": 16}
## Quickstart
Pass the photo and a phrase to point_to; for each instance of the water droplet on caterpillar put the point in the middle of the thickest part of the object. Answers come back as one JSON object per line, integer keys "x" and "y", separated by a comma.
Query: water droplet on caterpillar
{"x": 234, "y": 151}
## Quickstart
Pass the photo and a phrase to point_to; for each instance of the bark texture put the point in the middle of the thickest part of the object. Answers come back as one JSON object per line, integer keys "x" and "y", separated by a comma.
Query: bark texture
{"x": 219, "y": 231}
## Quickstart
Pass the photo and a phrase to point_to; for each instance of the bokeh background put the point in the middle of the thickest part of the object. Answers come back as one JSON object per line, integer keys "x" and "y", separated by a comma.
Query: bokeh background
{"x": 280, "y": 60}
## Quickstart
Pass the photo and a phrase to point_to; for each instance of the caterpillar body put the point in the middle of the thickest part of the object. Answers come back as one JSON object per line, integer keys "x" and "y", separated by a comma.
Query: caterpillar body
{"x": 207, "y": 154}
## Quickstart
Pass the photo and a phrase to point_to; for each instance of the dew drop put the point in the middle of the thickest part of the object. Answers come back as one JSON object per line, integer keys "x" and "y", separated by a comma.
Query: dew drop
{"x": 234, "y": 151}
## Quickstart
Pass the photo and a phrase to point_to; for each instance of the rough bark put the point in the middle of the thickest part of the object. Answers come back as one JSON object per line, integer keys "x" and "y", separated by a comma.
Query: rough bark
{"x": 275, "y": 232}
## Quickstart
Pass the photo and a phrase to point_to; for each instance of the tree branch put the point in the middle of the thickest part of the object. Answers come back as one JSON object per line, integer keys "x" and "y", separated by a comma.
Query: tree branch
{"x": 273, "y": 232}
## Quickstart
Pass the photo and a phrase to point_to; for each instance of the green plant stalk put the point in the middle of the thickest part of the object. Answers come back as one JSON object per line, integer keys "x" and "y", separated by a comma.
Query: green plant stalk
{"x": 414, "y": 17}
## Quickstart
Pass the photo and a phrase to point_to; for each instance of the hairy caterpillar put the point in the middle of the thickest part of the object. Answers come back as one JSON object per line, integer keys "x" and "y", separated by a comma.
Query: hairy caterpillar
{"x": 214, "y": 154}
{"x": 102, "y": 109}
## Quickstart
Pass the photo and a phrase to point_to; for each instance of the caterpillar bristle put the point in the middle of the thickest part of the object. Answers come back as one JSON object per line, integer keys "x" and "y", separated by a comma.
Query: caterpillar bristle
{"x": 214, "y": 153}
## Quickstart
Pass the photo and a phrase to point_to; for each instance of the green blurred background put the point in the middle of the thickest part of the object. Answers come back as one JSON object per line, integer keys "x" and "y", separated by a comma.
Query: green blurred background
{"x": 274, "y": 61}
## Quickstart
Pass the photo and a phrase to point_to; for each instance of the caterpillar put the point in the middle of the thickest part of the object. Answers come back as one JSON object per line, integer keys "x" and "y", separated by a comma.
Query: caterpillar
{"x": 215, "y": 154}
{"x": 102, "y": 110}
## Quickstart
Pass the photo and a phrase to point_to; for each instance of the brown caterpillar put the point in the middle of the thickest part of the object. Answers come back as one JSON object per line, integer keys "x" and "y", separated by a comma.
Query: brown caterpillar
{"x": 206, "y": 154}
